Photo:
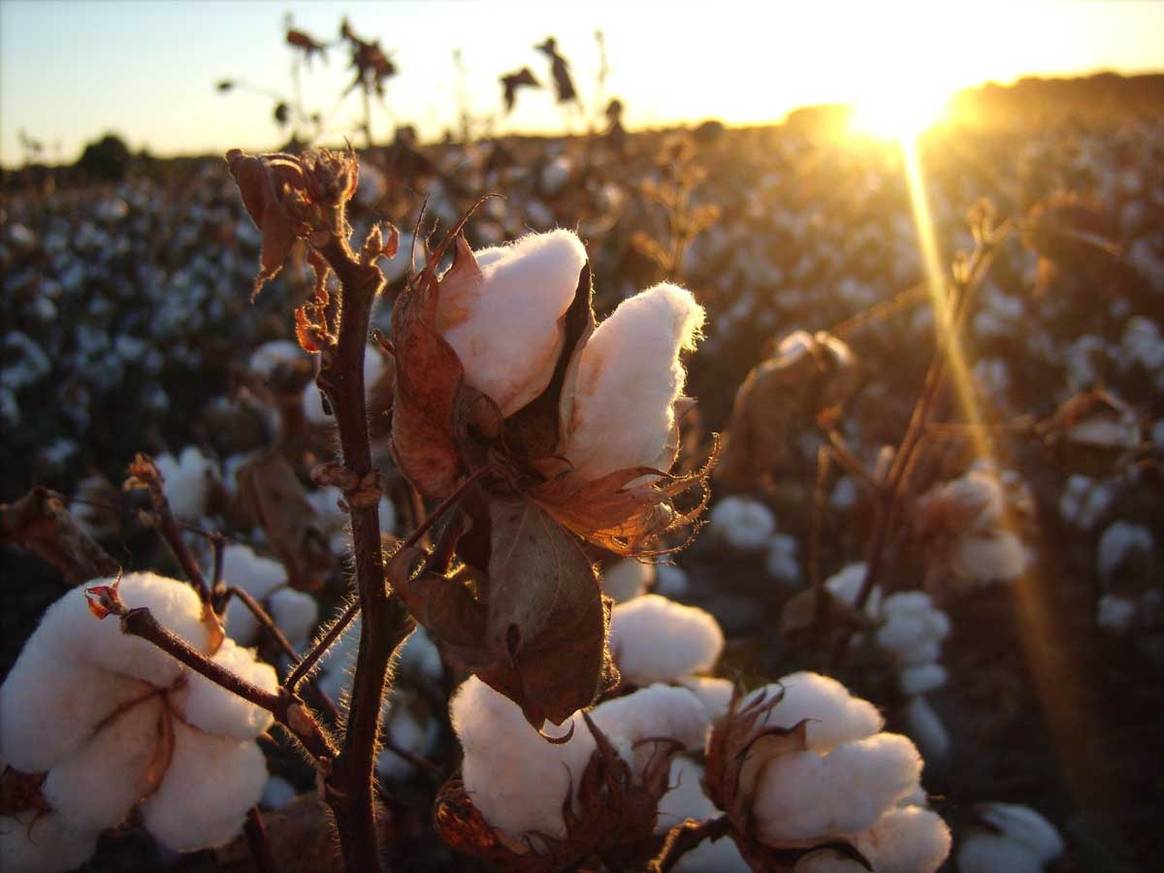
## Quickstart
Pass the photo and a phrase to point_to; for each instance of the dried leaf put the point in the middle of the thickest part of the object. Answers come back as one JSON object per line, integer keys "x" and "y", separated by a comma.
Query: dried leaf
{"x": 39, "y": 522}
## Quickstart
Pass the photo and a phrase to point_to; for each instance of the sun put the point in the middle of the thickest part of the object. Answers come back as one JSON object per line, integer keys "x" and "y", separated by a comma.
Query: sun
{"x": 899, "y": 110}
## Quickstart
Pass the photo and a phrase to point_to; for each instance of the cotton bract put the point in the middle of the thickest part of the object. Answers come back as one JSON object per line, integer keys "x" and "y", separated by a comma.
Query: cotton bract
{"x": 116, "y": 722}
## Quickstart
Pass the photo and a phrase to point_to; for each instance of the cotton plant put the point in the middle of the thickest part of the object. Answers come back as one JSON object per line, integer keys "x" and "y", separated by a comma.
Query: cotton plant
{"x": 1011, "y": 837}
{"x": 803, "y": 769}
{"x": 115, "y": 723}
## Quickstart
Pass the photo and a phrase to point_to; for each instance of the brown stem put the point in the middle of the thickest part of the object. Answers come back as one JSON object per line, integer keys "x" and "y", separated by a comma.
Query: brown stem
{"x": 145, "y": 471}
{"x": 259, "y": 842}
{"x": 287, "y": 709}
{"x": 309, "y": 661}
{"x": 820, "y": 600}
{"x": 349, "y": 786}
{"x": 684, "y": 837}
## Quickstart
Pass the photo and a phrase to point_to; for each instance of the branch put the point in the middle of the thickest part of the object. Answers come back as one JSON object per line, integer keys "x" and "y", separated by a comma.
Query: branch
{"x": 144, "y": 473}
{"x": 684, "y": 837}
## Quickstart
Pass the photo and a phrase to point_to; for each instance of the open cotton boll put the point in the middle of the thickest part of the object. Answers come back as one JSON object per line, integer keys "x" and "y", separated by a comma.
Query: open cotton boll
{"x": 741, "y": 522}
{"x": 1120, "y": 543}
{"x": 714, "y": 694}
{"x": 654, "y": 639}
{"x": 254, "y": 574}
{"x": 187, "y": 481}
{"x": 1115, "y": 614}
{"x": 49, "y": 707}
{"x": 652, "y": 713}
{"x": 96, "y": 787}
{"x": 35, "y": 842}
{"x": 782, "y": 563}
{"x": 629, "y": 377}
{"x": 277, "y": 793}
{"x": 1026, "y": 826}
{"x": 926, "y": 728}
{"x": 504, "y": 324}
{"x": 992, "y": 556}
{"x": 834, "y": 715}
{"x": 686, "y": 799}
{"x": 295, "y": 613}
{"x": 515, "y": 778}
{"x": 913, "y": 627}
{"x": 214, "y": 709}
{"x": 209, "y": 786}
{"x": 627, "y": 579}
{"x": 922, "y": 678}
{"x": 804, "y": 795}
{"x": 908, "y": 839}
{"x": 846, "y": 584}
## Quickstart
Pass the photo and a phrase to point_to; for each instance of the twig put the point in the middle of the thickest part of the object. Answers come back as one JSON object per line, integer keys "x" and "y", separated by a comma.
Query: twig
{"x": 684, "y": 837}
{"x": 144, "y": 472}
{"x": 307, "y": 664}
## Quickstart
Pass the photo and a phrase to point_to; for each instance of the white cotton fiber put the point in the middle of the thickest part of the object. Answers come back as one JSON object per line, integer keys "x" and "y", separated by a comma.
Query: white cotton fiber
{"x": 78, "y": 635}
{"x": 49, "y": 706}
{"x": 214, "y": 709}
{"x": 835, "y": 716}
{"x": 254, "y": 574}
{"x": 846, "y": 584}
{"x": 922, "y": 678}
{"x": 1121, "y": 542}
{"x": 803, "y": 795}
{"x": 657, "y": 712}
{"x": 913, "y": 627}
{"x": 629, "y": 377}
{"x": 277, "y": 793}
{"x": 210, "y": 784}
{"x": 627, "y": 579}
{"x": 782, "y": 562}
{"x": 654, "y": 639}
{"x": 34, "y": 842}
{"x": 686, "y": 799}
{"x": 714, "y": 694}
{"x": 1026, "y": 826}
{"x": 743, "y": 523}
{"x": 907, "y": 840}
{"x": 516, "y": 779}
{"x": 671, "y": 581}
{"x": 926, "y": 728}
{"x": 186, "y": 481}
{"x": 1115, "y": 614}
{"x": 96, "y": 787}
{"x": 295, "y": 613}
{"x": 989, "y": 556}
{"x": 505, "y": 326}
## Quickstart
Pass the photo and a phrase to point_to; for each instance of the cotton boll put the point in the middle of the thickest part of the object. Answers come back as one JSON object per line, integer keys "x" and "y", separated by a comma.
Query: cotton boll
{"x": 629, "y": 377}
{"x": 97, "y": 786}
{"x": 35, "y": 842}
{"x": 994, "y": 556}
{"x": 802, "y": 795}
{"x": 782, "y": 563}
{"x": 652, "y": 713}
{"x": 515, "y": 778}
{"x": 504, "y": 324}
{"x": 654, "y": 639}
{"x": 922, "y": 678}
{"x": 212, "y": 708}
{"x": 742, "y": 523}
{"x": 209, "y": 786}
{"x": 1121, "y": 544}
{"x": 671, "y": 581}
{"x": 70, "y": 628}
{"x": 1026, "y": 826}
{"x": 846, "y": 584}
{"x": 187, "y": 481}
{"x": 277, "y": 793}
{"x": 295, "y": 613}
{"x": 927, "y": 729}
{"x": 913, "y": 628}
{"x": 49, "y": 707}
{"x": 686, "y": 799}
{"x": 908, "y": 840}
{"x": 834, "y": 715}
{"x": 714, "y": 694}
{"x": 626, "y": 579}
{"x": 1115, "y": 614}
{"x": 256, "y": 575}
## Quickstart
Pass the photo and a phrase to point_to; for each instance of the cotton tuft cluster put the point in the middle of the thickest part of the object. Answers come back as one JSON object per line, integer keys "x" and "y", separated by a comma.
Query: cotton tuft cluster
{"x": 519, "y": 782}
{"x": 742, "y": 523}
{"x": 686, "y": 799}
{"x": 118, "y": 723}
{"x": 294, "y": 612}
{"x": 187, "y": 481}
{"x": 654, "y": 639}
{"x": 1015, "y": 839}
{"x": 912, "y": 630}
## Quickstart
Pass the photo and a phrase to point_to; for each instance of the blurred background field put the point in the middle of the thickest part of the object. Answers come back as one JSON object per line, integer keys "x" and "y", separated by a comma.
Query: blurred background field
{"x": 127, "y": 264}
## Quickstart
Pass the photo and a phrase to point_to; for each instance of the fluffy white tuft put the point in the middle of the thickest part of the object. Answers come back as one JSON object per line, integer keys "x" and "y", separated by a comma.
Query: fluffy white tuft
{"x": 258, "y": 577}
{"x": 627, "y": 579}
{"x": 505, "y": 326}
{"x": 210, "y": 784}
{"x": 671, "y": 581}
{"x": 660, "y": 711}
{"x": 33, "y": 842}
{"x": 654, "y": 639}
{"x": 295, "y": 613}
{"x": 990, "y": 556}
{"x": 846, "y": 584}
{"x": 922, "y": 678}
{"x": 907, "y": 840}
{"x": 714, "y": 694}
{"x": 277, "y": 793}
{"x": 741, "y": 522}
{"x": 926, "y": 728}
{"x": 629, "y": 377}
{"x": 782, "y": 562}
{"x": 835, "y": 716}
{"x": 214, "y": 709}
{"x": 685, "y": 799}
{"x": 187, "y": 481}
{"x": 913, "y": 627}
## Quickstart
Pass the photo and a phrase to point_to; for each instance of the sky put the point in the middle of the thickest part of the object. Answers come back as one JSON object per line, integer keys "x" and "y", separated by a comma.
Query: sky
{"x": 71, "y": 70}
